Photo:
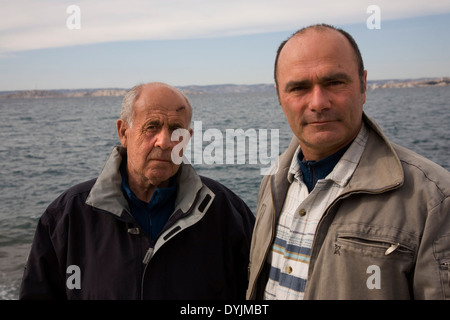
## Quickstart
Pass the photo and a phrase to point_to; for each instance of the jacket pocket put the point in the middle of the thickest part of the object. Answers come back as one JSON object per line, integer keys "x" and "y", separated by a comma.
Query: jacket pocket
{"x": 374, "y": 246}
{"x": 367, "y": 262}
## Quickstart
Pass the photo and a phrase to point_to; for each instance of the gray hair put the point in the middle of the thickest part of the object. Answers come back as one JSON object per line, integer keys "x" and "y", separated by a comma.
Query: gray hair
{"x": 127, "y": 113}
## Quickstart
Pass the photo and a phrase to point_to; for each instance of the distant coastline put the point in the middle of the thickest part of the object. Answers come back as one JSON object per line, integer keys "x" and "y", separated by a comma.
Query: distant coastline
{"x": 222, "y": 88}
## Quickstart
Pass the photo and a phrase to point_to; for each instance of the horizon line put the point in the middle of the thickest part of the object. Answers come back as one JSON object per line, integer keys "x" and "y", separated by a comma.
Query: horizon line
{"x": 212, "y": 85}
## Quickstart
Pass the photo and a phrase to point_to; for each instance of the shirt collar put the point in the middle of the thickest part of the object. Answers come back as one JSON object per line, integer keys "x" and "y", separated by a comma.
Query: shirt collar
{"x": 294, "y": 170}
{"x": 346, "y": 165}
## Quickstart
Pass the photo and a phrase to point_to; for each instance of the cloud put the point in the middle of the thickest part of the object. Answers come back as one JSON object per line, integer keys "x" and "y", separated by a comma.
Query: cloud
{"x": 30, "y": 24}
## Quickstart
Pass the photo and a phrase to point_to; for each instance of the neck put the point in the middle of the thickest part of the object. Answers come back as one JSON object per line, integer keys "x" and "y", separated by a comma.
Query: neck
{"x": 143, "y": 189}
{"x": 313, "y": 155}
{"x": 315, "y": 170}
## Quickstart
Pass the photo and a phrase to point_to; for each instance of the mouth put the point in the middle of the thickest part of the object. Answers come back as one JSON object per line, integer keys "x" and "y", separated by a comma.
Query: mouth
{"x": 158, "y": 159}
{"x": 321, "y": 122}
{"x": 161, "y": 160}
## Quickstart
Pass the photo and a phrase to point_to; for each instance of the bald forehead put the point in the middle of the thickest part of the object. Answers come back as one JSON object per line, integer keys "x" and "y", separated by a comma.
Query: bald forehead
{"x": 162, "y": 95}
{"x": 317, "y": 35}
{"x": 313, "y": 39}
{"x": 157, "y": 90}
{"x": 318, "y": 29}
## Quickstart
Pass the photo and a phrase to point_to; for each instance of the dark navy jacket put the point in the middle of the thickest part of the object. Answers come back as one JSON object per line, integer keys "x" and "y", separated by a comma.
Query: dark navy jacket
{"x": 88, "y": 246}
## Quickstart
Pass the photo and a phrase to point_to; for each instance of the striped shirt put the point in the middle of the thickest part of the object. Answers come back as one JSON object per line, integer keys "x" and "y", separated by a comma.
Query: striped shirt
{"x": 291, "y": 250}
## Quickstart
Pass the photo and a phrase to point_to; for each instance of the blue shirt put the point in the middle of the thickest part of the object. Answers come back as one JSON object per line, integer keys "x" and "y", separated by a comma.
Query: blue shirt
{"x": 151, "y": 216}
{"x": 315, "y": 170}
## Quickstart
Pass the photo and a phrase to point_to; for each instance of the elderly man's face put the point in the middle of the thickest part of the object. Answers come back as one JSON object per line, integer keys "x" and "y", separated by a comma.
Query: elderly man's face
{"x": 158, "y": 111}
{"x": 320, "y": 91}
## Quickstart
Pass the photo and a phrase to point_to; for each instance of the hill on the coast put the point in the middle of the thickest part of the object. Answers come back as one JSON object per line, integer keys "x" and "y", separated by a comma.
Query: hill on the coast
{"x": 209, "y": 89}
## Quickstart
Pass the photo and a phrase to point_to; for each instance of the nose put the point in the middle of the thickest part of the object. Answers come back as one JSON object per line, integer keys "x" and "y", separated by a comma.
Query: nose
{"x": 163, "y": 139}
{"x": 320, "y": 99}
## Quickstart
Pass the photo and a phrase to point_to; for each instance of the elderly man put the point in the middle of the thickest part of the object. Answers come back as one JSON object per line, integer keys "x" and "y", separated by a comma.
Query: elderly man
{"x": 347, "y": 215}
{"x": 146, "y": 228}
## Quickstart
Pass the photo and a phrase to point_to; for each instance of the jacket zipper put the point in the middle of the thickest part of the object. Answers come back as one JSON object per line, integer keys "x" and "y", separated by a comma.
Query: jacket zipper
{"x": 146, "y": 260}
{"x": 391, "y": 249}
{"x": 398, "y": 246}
{"x": 149, "y": 254}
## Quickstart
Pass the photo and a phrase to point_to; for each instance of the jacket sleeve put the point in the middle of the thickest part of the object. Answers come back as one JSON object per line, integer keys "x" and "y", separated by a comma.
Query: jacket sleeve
{"x": 248, "y": 221}
{"x": 432, "y": 273}
{"x": 43, "y": 276}
{"x": 257, "y": 273}
{"x": 244, "y": 223}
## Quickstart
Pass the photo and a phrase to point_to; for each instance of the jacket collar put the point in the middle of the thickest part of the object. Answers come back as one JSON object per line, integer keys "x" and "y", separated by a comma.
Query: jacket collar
{"x": 378, "y": 157}
{"x": 106, "y": 194}
{"x": 380, "y": 168}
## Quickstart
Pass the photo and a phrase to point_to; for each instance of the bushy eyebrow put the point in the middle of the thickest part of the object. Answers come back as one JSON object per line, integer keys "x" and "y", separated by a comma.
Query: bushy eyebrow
{"x": 157, "y": 123}
{"x": 153, "y": 123}
{"x": 295, "y": 84}
{"x": 325, "y": 79}
{"x": 336, "y": 76}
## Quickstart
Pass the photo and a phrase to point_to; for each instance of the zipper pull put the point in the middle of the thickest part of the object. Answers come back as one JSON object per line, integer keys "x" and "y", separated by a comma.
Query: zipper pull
{"x": 134, "y": 231}
{"x": 391, "y": 249}
{"x": 148, "y": 256}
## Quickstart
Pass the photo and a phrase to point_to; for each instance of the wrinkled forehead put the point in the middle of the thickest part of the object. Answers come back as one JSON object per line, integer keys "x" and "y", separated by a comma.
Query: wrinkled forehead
{"x": 160, "y": 99}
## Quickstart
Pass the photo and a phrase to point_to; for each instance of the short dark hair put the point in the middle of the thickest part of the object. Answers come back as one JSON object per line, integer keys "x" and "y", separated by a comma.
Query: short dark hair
{"x": 324, "y": 26}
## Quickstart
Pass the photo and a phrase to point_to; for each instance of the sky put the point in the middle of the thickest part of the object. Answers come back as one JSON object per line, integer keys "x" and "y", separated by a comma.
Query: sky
{"x": 81, "y": 44}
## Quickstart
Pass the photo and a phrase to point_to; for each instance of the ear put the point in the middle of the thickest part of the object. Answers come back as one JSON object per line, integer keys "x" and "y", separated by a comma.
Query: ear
{"x": 365, "y": 86}
{"x": 122, "y": 128}
{"x": 278, "y": 93}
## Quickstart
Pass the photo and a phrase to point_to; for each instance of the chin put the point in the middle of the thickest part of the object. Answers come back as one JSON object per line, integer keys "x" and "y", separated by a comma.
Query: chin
{"x": 328, "y": 137}
{"x": 158, "y": 176}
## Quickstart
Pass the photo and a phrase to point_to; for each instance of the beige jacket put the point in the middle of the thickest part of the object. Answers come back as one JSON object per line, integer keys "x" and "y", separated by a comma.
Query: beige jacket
{"x": 386, "y": 237}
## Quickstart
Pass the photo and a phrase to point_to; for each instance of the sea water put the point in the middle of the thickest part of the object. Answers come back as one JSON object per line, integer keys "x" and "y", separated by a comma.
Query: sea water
{"x": 48, "y": 145}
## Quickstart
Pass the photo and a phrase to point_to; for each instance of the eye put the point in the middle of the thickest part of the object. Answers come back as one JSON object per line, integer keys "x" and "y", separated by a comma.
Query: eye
{"x": 174, "y": 127}
{"x": 335, "y": 83}
{"x": 298, "y": 89}
{"x": 151, "y": 127}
